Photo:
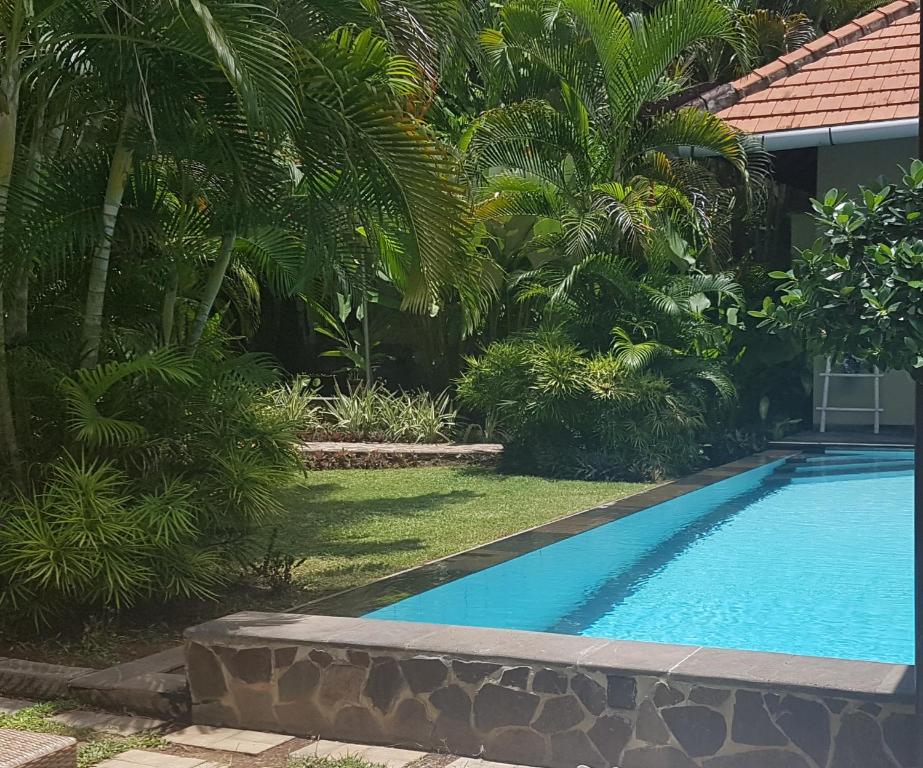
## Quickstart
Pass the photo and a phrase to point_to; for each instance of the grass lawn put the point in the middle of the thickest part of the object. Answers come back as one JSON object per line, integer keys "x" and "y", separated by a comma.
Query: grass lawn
{"x": 351, "y": 527}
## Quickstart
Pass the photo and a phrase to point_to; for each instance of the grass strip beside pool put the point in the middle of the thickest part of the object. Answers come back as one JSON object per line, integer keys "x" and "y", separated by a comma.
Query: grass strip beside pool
{"x": 348, "y": 527}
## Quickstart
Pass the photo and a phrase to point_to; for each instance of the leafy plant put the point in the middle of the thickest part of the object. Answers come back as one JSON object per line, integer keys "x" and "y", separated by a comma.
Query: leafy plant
{"x": 374, "y": 413}
{"x": 275, "y": 568}
{"x": 571, "y": 412}
{"x": 859, "y": 289}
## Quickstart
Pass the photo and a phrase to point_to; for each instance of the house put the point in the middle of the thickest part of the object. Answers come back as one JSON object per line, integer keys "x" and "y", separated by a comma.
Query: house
{"x": 836, "y": 113}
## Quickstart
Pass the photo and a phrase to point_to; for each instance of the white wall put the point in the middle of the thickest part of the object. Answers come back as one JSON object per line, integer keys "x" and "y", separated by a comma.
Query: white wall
{"x": 845, "y": 167}
{"x": 848, "y": 165}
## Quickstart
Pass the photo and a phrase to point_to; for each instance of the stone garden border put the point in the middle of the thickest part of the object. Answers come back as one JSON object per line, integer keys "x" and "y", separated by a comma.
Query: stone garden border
{"x": 544, "y": 699}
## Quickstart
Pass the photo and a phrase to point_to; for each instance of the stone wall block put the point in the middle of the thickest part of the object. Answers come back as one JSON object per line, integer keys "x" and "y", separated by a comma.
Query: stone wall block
{"x": 509, "y": 745}
{"x": 656, "y": 757}
{"x": 859, "y": 744}
{"x": 250, "y": 665}
{"x": 384, "y": 683}
{"x": 358, "y": 724}
{"x": 516, "y": 677}
{"x": 549, "y": 681}
{"x": 590, "y": 693}
{"x": 575, "y": 748}
{"x": 899, "y": 730}
{"x": 424, "y": 674}
{"x": 452, "y": 701}
{"x": 410, "y": 724}
{"x": 205, "y": 674}
{"x": 666, "y": 695}
{"x": 700, "y": 731}
{"x": 621, "y": 692}
{"x": 649, "y": 726}
{"x": 341, "y": 683}
{"x": 712, "y": 697}
{"x": 610, "y": 734}
{"x": 321, "y": 658}
{"x": 284, "y": 657}
{"x": 298, "y": 681}
{"x": 760, "y": 758}
{"x": 752, "y": 725}
{"x": 495, "y": 707}
{"x": 807, "y": 725}
{"x": 456, "y": 737}
{"x": 301, "y": 718}
{"x": 255, "y": 708}
{"x": 559, "y": 713}
{"x": 473, "y": 671}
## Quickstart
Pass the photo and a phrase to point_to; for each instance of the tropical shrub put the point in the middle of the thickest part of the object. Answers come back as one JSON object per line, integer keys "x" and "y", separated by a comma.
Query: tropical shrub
{"x": 567, "y": 411}
{"x": 375, "y": 414}
{"x": 858, "y": 290}
{"x": 155, "y": 471}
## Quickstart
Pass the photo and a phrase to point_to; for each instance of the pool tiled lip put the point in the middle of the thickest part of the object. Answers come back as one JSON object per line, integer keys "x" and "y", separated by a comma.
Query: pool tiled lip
{"x": 749, "y": 669}
{"x": 359, "y": 601}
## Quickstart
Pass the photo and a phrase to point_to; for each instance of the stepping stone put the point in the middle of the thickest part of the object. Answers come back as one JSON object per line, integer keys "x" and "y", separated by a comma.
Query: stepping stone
{"x": 12, "y": 706}
{"x": 474, "y": 762}
{"x": 138, "y": 758}
{"x": 118, "y": 725}
{"x": 227, "y": 739}
{"x": 390, "y": 757}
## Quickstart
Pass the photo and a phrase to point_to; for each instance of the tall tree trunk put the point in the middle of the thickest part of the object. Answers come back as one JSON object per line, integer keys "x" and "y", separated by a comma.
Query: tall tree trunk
{"x": 366, "y": 341}
{"x": 18, "y": 327}
{"x": 18, "y": 324}
{"x": 119, "y": 169}
{"x": 9, "y": 114}
{"x": 212, "y": 286}
{"x": 7, "y": 421}
{"x": 169, "y": 306}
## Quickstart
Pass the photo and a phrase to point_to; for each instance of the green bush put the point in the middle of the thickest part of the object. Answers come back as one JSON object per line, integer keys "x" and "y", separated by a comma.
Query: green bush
{"x": 374, "y": 413}
{"x": 120, "y": 510}
{"x": 567, "y": 411}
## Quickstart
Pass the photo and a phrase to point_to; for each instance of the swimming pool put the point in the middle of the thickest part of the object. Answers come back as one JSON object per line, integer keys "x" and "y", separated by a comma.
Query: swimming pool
{"x": 811, "y": 555}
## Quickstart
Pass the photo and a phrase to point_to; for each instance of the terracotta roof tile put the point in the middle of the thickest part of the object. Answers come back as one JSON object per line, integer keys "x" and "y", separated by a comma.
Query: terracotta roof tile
{"x": 864, "y": 71}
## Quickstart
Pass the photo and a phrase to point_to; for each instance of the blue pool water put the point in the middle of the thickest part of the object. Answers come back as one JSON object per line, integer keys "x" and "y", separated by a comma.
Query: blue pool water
{"x": 812, "y": 555}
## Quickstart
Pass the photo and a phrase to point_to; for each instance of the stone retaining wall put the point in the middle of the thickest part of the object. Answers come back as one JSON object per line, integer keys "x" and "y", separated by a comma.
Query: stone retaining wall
{"x": 338, "y": 455}
{"x": 547, "y": 700}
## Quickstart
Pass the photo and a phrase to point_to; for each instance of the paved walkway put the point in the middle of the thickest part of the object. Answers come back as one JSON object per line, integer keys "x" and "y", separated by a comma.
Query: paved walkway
{"x": 199, "y": 746}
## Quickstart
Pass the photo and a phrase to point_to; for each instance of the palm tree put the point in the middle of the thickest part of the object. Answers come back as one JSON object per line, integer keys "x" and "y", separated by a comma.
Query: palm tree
{"x": 183, "y": 48}
{"x": 593, "y": 157}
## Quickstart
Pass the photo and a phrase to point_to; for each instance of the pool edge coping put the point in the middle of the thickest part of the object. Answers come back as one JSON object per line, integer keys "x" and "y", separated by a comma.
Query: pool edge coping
{"x": 702, "y": 665}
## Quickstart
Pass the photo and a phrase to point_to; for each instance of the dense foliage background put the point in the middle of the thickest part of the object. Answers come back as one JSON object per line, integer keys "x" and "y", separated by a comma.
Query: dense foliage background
{"x": 214, "y": 212}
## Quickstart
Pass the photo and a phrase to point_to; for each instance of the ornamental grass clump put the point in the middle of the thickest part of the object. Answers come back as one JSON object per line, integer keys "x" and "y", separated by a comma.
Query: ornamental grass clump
{"x": 375, "y": 414}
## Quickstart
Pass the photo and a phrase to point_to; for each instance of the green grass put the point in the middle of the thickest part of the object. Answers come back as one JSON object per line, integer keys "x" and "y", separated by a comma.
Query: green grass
{"x": 330, "y": 762}
{"x": 350, "y": 527}
{"x": 92, "y": 747}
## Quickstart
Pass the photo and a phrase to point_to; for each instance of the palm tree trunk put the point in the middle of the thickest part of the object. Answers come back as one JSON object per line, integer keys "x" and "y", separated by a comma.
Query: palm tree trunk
{"x": 169, "y": 306}
{"x": 7, "y": 421}
{"x": 366, "y": 340}
{"x": 9, "y": 114}
{"x": 119, "y": 169}
{"x": 18, "y": 329}
{"x": 212, "y": 286}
